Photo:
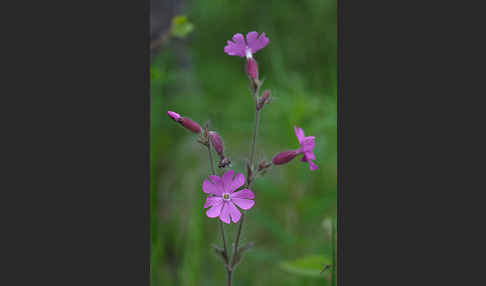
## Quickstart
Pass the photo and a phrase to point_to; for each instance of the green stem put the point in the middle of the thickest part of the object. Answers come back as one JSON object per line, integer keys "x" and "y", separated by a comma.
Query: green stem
{"x": 255, "y": 129}
{"x": 228, "y": 270}
{"x": 249, "y": 180}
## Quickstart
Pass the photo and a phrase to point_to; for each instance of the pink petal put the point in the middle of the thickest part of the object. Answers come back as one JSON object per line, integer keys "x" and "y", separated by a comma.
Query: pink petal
{"x": 310, "y": 156}
{"x": 224, "y": 216}
{"x": 234, "y": 212}
{"x": 227, "y": 180}
{"x": 299, "y": 132}
{"x": 210, "y": 188}
{"x": 215, "y": 210}
{"x": 308, "y": 144}
{"x": 312, "y": 166}
{"x": 243, "y": 194}
{"x": 215, "y": 179}
{"x": 243, "y": 203}
{"x": 212, "y": 201}
{"x": 237, "y": 47}
{"x": 238, "y": 181}
{"x": 256, "y": 43}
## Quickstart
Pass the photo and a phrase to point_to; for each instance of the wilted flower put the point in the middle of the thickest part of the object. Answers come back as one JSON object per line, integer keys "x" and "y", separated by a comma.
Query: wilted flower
{"x": 238, "y": 47}
{"x": 185, "y": 122}
{"x": 217, "y": 143}
{"x": 224, "y": 200}
{"x": 265, "y": 98}
{"x": 307, "y": 145}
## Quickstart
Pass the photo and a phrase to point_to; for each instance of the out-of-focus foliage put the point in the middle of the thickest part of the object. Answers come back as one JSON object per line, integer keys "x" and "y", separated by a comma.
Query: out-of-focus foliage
{"x": 193, "y": 76}
{"x": 311, "y": 265}
{"x": 181, "y": 27}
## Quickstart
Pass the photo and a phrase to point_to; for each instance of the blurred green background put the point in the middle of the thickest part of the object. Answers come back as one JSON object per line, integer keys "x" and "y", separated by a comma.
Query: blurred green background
{"x": 290, "y": 222}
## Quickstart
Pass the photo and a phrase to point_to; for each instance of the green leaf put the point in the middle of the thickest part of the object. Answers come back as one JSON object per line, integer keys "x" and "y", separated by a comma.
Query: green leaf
{"x": 311, "y": 265}
{"x": 181, "y": 27}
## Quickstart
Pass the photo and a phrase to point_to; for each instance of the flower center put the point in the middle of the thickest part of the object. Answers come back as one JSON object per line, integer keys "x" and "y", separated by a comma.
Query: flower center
{"x": 226, "y": 196}
{"x": 248, "y": 53}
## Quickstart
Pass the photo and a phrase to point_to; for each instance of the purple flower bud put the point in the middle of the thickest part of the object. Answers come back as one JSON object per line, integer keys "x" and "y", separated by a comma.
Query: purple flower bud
{"x": 217, "y": 142}
{"x": 284, "y": 157}
{"x": 189, "y": 124}
{"x": 185, "y": 122}
{"x": 174, "y": 115}
{"x": 252, "y": 68}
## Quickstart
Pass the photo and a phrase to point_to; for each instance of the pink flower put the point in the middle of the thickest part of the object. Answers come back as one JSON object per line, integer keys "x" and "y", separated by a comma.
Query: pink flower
{"x": 224, "y": 200}
{"x": 307, "y": 145}
{"x": 238, "y": 47}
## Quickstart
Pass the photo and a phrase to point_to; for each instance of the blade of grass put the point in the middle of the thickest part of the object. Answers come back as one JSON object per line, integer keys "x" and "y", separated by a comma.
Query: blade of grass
{"x": 333, "y": 253}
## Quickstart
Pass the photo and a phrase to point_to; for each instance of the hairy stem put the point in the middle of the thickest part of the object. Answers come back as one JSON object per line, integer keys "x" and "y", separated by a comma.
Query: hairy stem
{"x": 253, "y": 144}
{"x": 248, "y": 178}
{"x": 213, "y": 171}
{"x": 228, "y": 268}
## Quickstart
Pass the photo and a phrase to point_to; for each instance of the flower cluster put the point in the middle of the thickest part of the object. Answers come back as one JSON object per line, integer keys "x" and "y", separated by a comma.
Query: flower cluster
{"x": 224, "y": 199}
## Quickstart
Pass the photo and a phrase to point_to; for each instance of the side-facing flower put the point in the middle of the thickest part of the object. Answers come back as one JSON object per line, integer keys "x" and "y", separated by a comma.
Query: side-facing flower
{"x": 307, "y": 145}
{"x": 238, "y": 47}
{"x": 224, "y": 198}
{"x": 185, "y": 122}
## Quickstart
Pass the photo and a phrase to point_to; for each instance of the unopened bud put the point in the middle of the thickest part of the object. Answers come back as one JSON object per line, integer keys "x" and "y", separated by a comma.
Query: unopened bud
{"x": 189, "y": 124}
{"x": 174, "y": 115}
{"x": 263, "y": 99}
{"x": 217, "y": 142}
{"x": 284, "y": 157}
{"x": 252, "y": 68}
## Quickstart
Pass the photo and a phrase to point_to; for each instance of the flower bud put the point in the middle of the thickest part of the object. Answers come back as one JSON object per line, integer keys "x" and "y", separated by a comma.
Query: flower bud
{"x": 252, "y": 68}
{"x": 284, "y": 157}
{"x": 263, "y": 99}
{"x": 174, "y": 115}
{"x": 217, "y": 142}
{"x": 190, "y": 125}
